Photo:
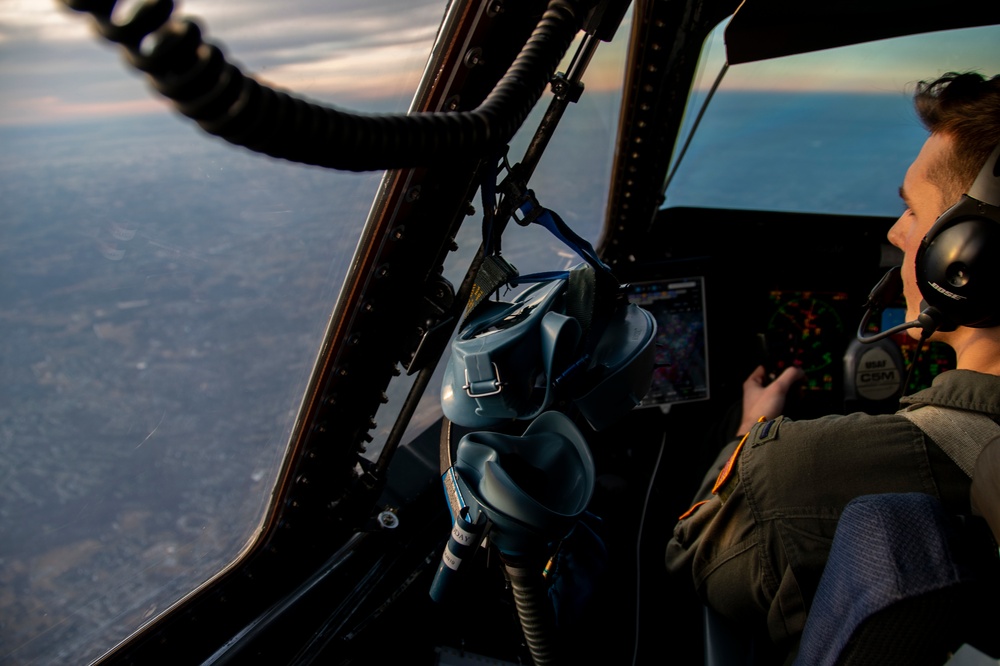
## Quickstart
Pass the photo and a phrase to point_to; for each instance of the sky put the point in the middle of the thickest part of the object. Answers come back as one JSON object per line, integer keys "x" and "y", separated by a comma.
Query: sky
{"x": 349, "y": 53}
{"x": 886, "y": 66}
{"x": 53, "y": 66}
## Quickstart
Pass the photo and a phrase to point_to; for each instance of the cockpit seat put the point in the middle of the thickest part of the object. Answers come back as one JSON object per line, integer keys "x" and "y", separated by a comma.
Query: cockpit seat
{"x": 906, "y": 583}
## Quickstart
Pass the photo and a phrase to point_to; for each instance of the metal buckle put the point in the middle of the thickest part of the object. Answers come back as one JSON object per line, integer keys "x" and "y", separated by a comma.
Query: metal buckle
{"x": 496, "y": 382}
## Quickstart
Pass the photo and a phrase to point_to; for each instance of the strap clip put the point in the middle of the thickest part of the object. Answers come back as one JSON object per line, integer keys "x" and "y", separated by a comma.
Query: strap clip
{"x": 484, "y": 386}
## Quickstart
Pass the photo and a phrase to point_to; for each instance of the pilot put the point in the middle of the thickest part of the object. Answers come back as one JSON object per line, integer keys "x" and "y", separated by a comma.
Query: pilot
{"x": 985, "y": 489}
{"x": 757, "y": 538}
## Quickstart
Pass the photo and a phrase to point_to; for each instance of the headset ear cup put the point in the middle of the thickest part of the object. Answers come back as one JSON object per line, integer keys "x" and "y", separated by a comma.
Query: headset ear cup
{"x": 958, "y": 261}
{"x": 958, "y": 265}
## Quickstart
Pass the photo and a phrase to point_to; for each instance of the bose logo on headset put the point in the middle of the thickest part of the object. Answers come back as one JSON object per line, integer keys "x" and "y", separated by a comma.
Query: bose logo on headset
{"x": 958, "y": 262}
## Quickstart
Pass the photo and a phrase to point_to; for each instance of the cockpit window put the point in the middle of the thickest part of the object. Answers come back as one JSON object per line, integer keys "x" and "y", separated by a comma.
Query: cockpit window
{"x": 571, "y": 179}
{"x": 163, "y": 295}
{"x": 837, "y": 127}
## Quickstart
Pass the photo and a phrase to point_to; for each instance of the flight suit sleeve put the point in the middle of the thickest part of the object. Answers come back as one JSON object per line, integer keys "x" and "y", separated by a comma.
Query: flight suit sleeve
{"x": 715, "y": 487}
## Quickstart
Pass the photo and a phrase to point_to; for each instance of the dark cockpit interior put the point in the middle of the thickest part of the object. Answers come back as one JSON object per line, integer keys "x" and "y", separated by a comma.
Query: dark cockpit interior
{"x": 770, "y": 292}
{"x": 740, "y": 255}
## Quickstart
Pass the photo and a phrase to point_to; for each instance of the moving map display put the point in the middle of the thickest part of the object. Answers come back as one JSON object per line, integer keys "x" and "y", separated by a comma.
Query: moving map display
{"x": 681, "y": 371}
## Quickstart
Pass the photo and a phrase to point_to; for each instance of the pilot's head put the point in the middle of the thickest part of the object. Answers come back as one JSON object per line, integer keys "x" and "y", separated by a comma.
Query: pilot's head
{"x": 962, "y": 113}
{"x": 966, "y": 108}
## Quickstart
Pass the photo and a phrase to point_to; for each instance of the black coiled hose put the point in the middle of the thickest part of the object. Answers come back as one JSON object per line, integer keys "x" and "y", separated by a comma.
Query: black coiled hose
{"x": 229, "y": 104}
{"x": 534, "y": 610}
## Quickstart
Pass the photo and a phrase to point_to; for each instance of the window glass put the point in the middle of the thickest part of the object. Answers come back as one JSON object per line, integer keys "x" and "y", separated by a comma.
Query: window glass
{"x": 837, "y": 126}
{"x": 162, "y": 298}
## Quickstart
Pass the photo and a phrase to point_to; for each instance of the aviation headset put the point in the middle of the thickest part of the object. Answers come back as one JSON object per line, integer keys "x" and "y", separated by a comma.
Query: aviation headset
{"x": 958, "y": 262}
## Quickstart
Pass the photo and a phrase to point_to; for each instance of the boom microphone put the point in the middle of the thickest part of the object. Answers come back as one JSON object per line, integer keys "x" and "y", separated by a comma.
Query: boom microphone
{"x": 886, "y": 292}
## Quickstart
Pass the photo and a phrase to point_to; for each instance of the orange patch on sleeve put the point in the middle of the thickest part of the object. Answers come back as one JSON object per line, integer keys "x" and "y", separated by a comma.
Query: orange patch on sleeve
{"x": 727, "y": 469}
{"x": 691, "y": 510}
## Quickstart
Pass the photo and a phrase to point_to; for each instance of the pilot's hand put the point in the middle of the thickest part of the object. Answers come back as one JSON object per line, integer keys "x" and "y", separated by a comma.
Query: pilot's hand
{"x": 769, "y": 401}
{"x": 985, "y": 490}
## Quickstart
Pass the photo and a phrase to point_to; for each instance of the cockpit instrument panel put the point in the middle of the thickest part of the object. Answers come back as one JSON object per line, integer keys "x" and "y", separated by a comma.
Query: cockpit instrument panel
{"x": 807, "y": 329}
{"x": 681, "y": 371}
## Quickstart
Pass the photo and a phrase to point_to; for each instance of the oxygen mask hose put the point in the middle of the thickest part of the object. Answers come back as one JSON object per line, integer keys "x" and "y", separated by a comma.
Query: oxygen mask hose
{"x": 533, "y": 607}
{"x": 225, "y": 102}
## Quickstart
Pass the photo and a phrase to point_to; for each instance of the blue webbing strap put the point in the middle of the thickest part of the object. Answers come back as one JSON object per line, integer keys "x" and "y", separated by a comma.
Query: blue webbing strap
{"x": 534, "y": 213}
{"x": 497, "y": 271}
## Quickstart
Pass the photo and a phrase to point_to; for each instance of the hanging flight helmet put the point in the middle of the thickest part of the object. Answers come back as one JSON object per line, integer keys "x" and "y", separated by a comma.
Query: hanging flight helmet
{"x": 563, "y": 339}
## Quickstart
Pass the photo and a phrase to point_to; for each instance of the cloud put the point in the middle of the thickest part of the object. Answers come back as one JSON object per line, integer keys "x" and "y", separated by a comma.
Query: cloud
{"x": 53, "y": 66}
{"x": 888, "y": 66}
{"x": 352, "y": 54}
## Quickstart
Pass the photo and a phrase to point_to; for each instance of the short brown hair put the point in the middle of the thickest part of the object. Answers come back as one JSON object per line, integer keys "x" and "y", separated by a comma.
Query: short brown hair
{"x": 966, "y": 107}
